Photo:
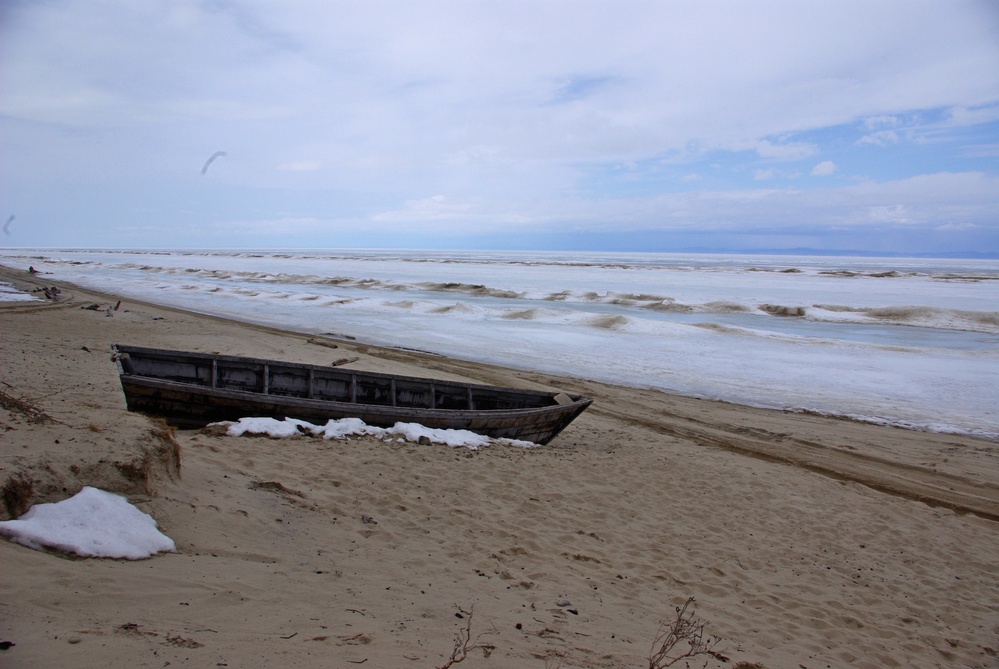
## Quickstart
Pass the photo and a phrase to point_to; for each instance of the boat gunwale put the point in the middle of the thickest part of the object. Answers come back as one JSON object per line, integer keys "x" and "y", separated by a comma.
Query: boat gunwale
{"x": 168, "y": 354}
{"x": 387, "y": 409}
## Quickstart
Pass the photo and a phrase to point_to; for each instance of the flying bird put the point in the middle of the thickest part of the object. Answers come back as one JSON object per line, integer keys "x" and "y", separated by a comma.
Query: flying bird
{"x": 217, "y": 154}
{"x": 6, "y": 226}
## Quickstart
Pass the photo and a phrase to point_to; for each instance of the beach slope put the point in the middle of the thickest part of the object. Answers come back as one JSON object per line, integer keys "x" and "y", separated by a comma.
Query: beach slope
{"x": 805, "y": 541}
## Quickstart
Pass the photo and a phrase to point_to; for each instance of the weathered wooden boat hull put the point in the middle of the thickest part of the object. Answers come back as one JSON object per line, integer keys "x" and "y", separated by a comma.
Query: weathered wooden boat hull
{"x": 190, "y": 390}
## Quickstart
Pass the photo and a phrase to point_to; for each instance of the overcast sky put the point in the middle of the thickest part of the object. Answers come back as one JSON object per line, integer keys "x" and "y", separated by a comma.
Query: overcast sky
{"x": 610, "y": 125}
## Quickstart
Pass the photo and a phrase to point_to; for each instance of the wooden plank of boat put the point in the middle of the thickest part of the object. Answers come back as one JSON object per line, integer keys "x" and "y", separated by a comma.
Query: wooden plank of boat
{"x": 190, "y": 390}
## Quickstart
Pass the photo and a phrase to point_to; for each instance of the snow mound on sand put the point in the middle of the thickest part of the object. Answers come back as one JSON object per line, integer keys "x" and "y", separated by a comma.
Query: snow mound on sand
{"x": 92, "y": 523}
{"x": 346, "y": 427}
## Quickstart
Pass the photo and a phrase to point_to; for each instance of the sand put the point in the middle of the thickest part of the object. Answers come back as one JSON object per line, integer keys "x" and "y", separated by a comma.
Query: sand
{"x": 805, "y": 541}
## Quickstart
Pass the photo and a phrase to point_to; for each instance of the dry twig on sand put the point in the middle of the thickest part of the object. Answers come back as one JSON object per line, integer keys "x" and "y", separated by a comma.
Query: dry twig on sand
{"x": 685, "y": 630}
{"x": 25, "y": 408}
{"x": 463, "y": 642}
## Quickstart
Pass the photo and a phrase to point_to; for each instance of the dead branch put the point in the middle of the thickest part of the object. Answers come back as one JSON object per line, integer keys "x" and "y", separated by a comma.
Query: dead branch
{"x": 463, "y": 642}
{"x": 682, "y": 639}
{"x": 320, "y": 342}
{"x": 24, "y": 407}
{"x": 344, "y": 361}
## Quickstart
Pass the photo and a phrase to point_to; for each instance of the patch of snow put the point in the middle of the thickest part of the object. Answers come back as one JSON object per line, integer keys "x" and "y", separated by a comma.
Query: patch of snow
{"x": 346, "y": 427}
{"x": 9, "y": 293}
{"x": 92, "y": 523}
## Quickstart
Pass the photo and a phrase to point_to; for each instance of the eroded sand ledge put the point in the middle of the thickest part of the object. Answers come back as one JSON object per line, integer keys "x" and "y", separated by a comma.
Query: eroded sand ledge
{"x": 802, "y": 538}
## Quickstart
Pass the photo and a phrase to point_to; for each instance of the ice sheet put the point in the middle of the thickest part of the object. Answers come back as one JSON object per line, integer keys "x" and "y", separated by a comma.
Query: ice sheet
{"x": 913, "y": 342}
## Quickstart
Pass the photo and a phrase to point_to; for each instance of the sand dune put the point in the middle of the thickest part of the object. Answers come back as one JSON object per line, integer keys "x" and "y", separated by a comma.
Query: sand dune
{"x": 805, "y": 541}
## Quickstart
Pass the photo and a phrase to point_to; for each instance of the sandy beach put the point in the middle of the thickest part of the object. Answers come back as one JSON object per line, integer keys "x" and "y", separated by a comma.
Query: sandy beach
{"x": 805, "y": 541}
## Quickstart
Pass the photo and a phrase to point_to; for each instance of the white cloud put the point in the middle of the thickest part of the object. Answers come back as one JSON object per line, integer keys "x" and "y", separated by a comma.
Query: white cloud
{"x": 510, "y": 112}
{"x": 889, "y": 213}
{"x": 456, "y": 76}
{"x": 956, "y": 227}
{"x": 768, "y": 174}
{"x": 875, "y": 122}
{"x": 790, "y": 151}
{"x": 880, "y": 138}
{"x": 434, "y": 208}
{"x": 963, "y": 116}
{"x": 927, "y": 201}
{"x": 824, "y": 169}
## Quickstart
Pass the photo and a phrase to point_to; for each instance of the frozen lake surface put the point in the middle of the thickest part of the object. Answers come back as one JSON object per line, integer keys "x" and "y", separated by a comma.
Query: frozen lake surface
{"x": 912, "y": 342}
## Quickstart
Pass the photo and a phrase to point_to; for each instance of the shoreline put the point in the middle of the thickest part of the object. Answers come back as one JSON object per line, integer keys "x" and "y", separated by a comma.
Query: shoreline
{"x": 718, "y": 335}
{"x": 871, "y": 469}
{"x": 862, "y": 418}
{"x": 806, "y": 540}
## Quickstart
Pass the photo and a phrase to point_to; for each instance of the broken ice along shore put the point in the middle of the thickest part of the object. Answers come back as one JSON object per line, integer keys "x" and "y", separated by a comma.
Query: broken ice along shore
{"x": 907, "y": 342}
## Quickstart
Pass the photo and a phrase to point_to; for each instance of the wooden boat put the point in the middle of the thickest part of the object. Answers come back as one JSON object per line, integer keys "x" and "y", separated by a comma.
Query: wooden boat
{"x": 190, "y": 390}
